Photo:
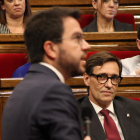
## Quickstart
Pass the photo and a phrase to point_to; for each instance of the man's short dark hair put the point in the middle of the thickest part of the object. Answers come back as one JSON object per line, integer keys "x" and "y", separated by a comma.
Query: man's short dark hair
{"x": 98, "y": 59}
{"x": 138, "y": 32}
{"x": 46, "y": 25}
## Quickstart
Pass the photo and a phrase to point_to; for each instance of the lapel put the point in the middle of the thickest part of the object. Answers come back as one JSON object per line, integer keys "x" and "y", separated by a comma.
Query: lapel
{"x": 97, "y": 131}
{"x": 118, "y": 25}
{"x": 92, "y": 27}
{"x": 124, "y": 117}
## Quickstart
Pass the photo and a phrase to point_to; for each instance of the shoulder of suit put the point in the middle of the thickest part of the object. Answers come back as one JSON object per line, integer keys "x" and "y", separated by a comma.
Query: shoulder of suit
{"x": 81, "y": 99}
{"x": 127, "y": 100}
{"x": 90, "y": 27}
{"x": 121, "y": 26}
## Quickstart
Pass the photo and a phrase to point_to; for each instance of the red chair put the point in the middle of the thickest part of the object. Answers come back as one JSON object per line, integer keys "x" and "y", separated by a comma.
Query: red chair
{"x": 126, "y": 18}
{"x": 9, "y": 62}
{"x": 137, "y": 99}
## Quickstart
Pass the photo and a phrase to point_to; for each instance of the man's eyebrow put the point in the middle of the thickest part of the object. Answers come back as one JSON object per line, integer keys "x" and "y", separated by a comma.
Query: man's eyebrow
{"x": 76, "y": 33}
{"x": 107, "y": 74}
{"x": 102, "y": 74}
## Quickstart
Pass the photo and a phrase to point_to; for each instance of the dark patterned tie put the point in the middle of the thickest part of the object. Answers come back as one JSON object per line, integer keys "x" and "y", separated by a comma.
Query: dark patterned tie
{"x": 110, "y": 126}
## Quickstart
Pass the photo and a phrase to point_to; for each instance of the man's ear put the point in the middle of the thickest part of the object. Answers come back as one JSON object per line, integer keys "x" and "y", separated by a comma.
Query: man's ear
{"x": 86, "y": 79}
{"x": 138, "y": 43}
{"x": 94, "y": 4}
{"x": 51, "y": 49}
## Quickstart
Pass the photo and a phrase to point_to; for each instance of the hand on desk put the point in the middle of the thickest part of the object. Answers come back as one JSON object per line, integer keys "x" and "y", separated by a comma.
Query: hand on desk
{"x": 137, "y": 71}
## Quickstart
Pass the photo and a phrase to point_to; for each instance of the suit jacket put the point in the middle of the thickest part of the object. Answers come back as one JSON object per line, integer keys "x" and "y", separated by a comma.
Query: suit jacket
{"x": 41, "y": 108}
{"x": 130, "y": 125}
{"x": 119, "y": 26}
{"x": 130, "y": 64}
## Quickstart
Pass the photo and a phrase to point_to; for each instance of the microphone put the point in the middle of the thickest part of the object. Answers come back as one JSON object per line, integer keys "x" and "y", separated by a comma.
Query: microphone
{"x": 87, "y": 116}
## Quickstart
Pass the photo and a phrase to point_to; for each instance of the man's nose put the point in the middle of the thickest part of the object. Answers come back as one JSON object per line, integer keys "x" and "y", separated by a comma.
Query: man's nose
{"x": 109, "y": 83}
{"x": 85, "y": 45}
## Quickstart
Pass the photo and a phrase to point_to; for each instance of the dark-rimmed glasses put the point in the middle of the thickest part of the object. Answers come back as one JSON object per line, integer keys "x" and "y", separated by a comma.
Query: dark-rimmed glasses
{"x": 103, "y": 78}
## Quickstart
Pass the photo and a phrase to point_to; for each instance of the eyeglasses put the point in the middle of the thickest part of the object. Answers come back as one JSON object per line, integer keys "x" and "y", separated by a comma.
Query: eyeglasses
{"x": 103, "y": 78}
{"x": 77, "y": 37}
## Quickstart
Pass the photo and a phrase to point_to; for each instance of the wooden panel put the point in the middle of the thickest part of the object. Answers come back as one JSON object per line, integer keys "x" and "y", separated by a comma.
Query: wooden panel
{"x": 106, "y": 36}
{"x": 76, "y": 81}
{"x": 17, "y": 48}
{"x": 113, "y": 48}
{"x": 11, "y": 38}
{"x": 13, "y": 48}
{"x": 9, "y": 82}
{"x": 135, "y": 10}
{"x": 88, "y": 36}
{"x": 99, "y": 41}
{"x": 73, "y": 2}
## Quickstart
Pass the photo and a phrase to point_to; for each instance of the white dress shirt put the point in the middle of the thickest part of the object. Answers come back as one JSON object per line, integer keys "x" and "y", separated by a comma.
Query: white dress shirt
{"x": 111, "y": 114}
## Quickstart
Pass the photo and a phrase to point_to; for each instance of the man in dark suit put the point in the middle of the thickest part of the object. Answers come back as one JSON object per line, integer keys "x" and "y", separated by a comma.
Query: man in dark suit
{"x": 103, "y": 74}
{"x": 42, "y": 106}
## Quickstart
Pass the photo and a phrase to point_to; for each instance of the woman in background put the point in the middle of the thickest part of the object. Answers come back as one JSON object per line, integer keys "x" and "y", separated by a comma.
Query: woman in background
{"x": 13, "y": 15}
{"x": 105, "y": 11}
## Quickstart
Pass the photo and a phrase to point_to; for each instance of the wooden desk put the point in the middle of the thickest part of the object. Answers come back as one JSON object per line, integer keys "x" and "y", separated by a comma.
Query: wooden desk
{"x": 116, "y": 41}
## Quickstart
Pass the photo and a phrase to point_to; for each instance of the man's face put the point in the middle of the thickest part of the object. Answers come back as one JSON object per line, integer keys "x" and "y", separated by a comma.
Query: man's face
{"x": 102, "y": 94}
{"x": 72, "y": 50}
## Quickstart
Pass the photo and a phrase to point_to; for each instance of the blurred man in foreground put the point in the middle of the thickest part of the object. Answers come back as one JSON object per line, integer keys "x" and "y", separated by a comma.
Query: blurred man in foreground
{"x": 42, "y": 106}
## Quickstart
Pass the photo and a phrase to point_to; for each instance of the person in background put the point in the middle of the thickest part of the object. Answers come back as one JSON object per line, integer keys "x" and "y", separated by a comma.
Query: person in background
{"x": 105, "y": 11}
{"x": 42, "y": 106}
{"x": 113, "y": 117}
{"x": 13, "y": 15}
{"x": 131, "y": 66}
{"x": 21, "y": 71}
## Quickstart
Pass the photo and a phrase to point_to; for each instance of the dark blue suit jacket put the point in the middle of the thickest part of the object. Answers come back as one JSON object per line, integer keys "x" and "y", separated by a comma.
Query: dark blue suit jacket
{"x": 130, "y": 125}
{"x": 41, "y": 108}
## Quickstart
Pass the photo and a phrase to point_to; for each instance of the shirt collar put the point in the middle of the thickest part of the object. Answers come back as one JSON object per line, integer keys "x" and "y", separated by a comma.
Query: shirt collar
{"x": 98, "y": 108}
{"x": 60, "y": 76}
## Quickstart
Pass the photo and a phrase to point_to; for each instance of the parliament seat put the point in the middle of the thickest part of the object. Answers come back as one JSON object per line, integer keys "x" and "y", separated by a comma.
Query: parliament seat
{"x": 9, "y": 62}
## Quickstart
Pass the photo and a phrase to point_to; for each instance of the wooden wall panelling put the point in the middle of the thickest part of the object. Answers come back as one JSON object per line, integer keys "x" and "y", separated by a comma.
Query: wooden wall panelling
{"x": 116, "y": 41}
{"x": 75, "y": 2}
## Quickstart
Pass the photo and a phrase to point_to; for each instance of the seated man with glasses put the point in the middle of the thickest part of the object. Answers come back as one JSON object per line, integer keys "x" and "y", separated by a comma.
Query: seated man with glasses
{"x": 113, "y": 117}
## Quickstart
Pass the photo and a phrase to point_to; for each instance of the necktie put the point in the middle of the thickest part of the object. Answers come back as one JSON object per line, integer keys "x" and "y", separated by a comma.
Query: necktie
{"x": 110, "y": 126}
